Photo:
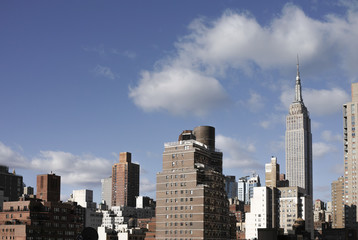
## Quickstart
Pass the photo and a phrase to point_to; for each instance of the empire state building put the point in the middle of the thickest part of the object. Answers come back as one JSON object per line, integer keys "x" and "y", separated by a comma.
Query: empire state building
{"x": 299, "y": 142}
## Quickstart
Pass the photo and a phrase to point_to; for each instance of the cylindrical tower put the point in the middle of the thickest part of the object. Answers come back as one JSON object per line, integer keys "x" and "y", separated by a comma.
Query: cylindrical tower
{"x": 206, "y": 135}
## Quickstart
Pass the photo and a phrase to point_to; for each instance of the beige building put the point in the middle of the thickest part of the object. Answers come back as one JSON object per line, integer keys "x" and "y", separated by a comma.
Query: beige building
{"x": 350, "y": 160}
{"x": 298, "y": 142}
{"x": 337, "y": 195}
{"x": 191, "y": 198}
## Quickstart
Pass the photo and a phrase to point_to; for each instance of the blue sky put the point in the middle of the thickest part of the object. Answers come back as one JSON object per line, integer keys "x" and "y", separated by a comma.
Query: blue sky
{"x": 82, "y": 81}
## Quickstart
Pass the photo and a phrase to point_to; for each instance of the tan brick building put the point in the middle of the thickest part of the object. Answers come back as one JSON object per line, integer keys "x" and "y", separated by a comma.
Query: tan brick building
{"x": 191, "y": 198}
{"x": 48, "y": 187}
{"x": 125, "y": 181}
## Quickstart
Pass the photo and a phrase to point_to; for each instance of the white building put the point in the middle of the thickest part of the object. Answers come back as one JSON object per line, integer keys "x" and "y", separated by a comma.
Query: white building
{"x": 84, "y": 198}
{"x": 260, "y": 214}
{"x": 107, "y": 191}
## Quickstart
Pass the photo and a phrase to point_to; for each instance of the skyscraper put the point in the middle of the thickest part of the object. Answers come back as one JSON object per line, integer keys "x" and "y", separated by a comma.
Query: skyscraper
{"x": 191, "y": 197}
{"x": 125, "y": 181}
{"x": 231, "y": 186}
{"x": 299, "y": 142}
{"x": 350, "y": 159}
{"x": 48, "y": 187}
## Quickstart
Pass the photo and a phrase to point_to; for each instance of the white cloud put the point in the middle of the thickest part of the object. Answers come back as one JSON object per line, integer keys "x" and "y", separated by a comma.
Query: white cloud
{"x": 238, "y": 41}
{"x": 105, "y": 72}
{"x": 11, "y": 158}
{"x": 329, "y": 137}
{"x": 237, "y": 154}
{"x": 321, "y": 149}
{"x": 83, "y": 170}
{"x": 179, "y": 91}
{"x": 319, "y": 102}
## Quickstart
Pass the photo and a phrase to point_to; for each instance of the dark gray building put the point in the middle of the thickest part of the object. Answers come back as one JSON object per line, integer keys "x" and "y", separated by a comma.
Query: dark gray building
{"x": 11, "y": 184}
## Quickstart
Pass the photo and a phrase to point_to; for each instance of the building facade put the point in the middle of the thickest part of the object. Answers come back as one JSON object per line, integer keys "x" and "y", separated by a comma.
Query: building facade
{"x": 32, "y": 218}
{"x": 298, "y": 142}
{"x": 338, "y": 203}
{"x": 125, "y": 181}
{"x": 191, "y": 197}
{"x": 350, "y": 160}
{"x": 11, "y": 184}
{"x": 231, "y": 186}
{"x": 48, "y": 187}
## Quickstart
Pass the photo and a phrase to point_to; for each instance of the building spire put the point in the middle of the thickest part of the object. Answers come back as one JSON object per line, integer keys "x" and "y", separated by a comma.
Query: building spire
{"x": 298, "y": 84}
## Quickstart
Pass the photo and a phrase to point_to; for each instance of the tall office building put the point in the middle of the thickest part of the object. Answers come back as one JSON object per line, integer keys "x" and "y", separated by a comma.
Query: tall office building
{"x": 350, "y": 159}
{"x": 252, "y": 182}
{"x": 48, "y": 187}
{"x": 299, "y": 142}
{"x": 125, "y": 181}
{"x": 242, "y": 191}
{"x": 191, "y": 197}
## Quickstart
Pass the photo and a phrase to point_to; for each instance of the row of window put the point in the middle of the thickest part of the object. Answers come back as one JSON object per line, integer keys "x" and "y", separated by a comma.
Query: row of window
{"x": 177, "y": 200}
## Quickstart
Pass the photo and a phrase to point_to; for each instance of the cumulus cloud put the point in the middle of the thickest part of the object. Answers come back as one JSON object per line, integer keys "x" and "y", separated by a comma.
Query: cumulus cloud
{"x": 74, "y": 169}
{"x": 11, "y": 158}
{"x": 320, "y": 102}
{"x": 321, "y": 149}
{"x": 105, "y": 72}
{"x": 179, "y": 91}
{"x": 83, "y": 170}
{"x": 238, "y": 41}
{"x": 237, "y": 154}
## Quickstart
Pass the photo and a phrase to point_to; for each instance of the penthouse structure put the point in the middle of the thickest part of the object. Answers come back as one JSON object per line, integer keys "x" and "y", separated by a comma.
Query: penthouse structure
{"x": 191, "y": 197}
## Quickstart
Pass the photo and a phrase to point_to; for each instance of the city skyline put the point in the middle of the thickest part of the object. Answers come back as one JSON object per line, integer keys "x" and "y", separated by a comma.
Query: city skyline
{"x": 83, "y": 82}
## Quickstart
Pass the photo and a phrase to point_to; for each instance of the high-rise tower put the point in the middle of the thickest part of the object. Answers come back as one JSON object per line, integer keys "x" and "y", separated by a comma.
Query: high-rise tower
{"x": 299, "y": 142}
{"x": 191, "y": 197}
{"x": 125, "y": 181}
{"x": 350, "y": 110}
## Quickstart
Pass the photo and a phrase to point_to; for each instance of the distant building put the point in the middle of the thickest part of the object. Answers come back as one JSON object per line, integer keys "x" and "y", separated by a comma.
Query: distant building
{"x": 84, "y": 198}
{"x": 252, "y": 182}
{"x": 338, "y": 203}
{"x": 191, "y": 197}
{"x": 231, "y": 186}
{"x": 107, "y": 192}
{"x": 11, "y": 184}
{"x": 145, "y": 202}
{"x": 125, "y": 181}
{"x": 48, "y": 187}
{"x": 242, "y": 190}
{"x": 28, "y": 191}
{"x": 277, "y": 208}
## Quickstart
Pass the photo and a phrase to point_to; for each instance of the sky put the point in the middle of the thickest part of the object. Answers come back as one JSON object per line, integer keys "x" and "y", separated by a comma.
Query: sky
{"x": 82, "y": 81}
